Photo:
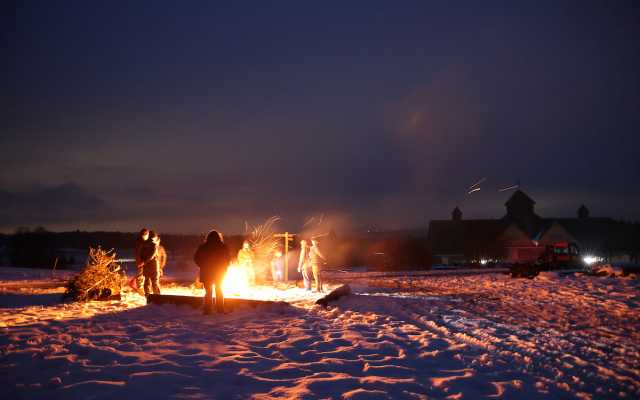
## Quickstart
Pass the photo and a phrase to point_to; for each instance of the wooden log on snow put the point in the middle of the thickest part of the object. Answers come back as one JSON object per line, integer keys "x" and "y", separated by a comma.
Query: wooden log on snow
{"x": 335, "y": 294}
{"x": 197, "y": 302}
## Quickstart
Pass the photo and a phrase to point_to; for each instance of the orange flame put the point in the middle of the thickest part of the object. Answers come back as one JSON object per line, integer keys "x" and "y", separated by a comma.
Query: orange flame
{"x": 236, "y": 281}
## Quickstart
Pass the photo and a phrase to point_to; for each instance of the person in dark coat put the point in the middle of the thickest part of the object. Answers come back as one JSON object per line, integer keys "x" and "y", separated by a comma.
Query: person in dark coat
{"x": 212, "y": 257}
{"x": 142, "y": 238}
{"x": 151, "y": 266}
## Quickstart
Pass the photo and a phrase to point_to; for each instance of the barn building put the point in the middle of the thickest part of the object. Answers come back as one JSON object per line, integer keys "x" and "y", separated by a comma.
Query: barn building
{"x": 520, "y": 236}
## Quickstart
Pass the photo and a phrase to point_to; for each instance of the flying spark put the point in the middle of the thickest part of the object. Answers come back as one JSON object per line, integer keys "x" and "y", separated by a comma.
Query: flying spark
{"x": 477, "y": 184}
{"x": 508, "y": 188}
{"x": 473, "y": 190}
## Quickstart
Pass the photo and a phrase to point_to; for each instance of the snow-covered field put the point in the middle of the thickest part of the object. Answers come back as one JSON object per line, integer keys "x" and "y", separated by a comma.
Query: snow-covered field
{"x": 484, "y": 336}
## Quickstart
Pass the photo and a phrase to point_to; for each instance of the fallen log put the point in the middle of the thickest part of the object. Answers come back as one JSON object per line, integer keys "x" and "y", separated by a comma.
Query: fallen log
{"x": 197, "y": 302}
{"x": 335, "y": 294}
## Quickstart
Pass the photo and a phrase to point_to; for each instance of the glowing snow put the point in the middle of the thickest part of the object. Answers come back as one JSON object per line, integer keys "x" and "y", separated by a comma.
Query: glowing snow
{"x": 435, "y": 337}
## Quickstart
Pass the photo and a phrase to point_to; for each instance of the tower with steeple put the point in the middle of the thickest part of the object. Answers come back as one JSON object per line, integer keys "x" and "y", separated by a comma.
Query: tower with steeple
{"x": 521, "y": 211}
{"x": 520, "y": 206}
{"x": 456, "y": 214}
{"x": 583, "y": 212}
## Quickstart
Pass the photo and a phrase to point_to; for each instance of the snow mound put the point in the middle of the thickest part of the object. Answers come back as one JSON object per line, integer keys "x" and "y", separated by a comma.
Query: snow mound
{"x": 548, "y": 276}
{"x": 608, "y": 270}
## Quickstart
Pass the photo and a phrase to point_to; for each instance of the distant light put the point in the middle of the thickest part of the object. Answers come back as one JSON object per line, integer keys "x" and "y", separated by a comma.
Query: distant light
{"x": 483, "y": 261}
{"x": 591, "y": 259}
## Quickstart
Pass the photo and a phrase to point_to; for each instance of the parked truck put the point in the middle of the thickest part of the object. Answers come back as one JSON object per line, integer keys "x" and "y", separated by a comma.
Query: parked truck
{"x": 560, "y": 255}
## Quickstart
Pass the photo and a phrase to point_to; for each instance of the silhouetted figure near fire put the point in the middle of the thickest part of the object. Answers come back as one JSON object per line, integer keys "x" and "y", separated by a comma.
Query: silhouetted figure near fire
{"x": 304, "y": 266}
{"x": 162, "y": 256}
{"x": 277, "y": 267}
{"x": 316, "y": 258}
{"x": 149, "y": 254}
{"x": 143, "y": 236}
{"x": 245, "y": 260}
{"x": 212, "y": 257}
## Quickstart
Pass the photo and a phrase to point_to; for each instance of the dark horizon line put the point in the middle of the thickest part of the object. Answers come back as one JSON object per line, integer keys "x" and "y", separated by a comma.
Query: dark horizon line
{"x": 358, "y": 230}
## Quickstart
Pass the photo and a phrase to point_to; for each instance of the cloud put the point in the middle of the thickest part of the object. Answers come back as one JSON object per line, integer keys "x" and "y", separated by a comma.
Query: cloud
{"x": 54, "y": 204}
{"x": 442, "y": 112}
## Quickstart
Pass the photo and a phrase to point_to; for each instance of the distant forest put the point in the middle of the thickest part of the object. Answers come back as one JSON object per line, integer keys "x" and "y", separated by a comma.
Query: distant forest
{"x": 41, "y": 248}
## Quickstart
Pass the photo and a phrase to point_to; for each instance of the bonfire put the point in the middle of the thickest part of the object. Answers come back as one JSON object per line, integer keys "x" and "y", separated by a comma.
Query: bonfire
{"x": 236, "y": 281}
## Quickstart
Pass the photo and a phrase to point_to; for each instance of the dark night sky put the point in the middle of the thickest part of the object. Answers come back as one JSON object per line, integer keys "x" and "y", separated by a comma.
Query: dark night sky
{"x": 186, "y": 115}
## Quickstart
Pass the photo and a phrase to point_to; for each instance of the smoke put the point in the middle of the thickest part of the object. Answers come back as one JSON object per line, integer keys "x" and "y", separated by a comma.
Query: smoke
{"x": 322, "y": 225}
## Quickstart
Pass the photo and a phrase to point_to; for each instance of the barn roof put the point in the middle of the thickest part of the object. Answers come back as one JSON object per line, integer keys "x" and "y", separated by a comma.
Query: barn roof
{"x": 453, "y": 237}
{"x": 519, "y": 197}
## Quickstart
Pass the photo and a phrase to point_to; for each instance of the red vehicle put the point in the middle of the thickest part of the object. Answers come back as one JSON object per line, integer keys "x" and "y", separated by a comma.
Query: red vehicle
{"x": 561, "y": 254}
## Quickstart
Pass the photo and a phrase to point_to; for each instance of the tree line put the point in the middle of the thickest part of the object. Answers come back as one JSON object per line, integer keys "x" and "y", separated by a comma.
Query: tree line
{"x": 41, "y": 248}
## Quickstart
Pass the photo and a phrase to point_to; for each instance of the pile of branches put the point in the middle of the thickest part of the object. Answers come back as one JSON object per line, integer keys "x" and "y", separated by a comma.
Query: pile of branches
{"x": 101, "y": 278}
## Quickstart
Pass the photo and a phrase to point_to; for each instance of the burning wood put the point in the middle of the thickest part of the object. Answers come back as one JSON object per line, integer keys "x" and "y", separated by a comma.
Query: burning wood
{"x": 236, "y": 281}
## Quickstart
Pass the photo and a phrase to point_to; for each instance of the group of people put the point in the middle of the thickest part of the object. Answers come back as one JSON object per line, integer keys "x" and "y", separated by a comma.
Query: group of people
{"x": 212, "y": 257}
{"x": 309, "y": 264}
{"x": 150, "y": 258}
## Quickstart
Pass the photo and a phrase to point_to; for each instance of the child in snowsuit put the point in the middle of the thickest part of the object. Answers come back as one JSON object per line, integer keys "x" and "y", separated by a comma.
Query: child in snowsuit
{"x": 213, "y": 259}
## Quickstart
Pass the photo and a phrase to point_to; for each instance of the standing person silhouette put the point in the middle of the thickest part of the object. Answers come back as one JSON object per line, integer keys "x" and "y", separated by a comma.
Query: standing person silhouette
{"x": 316, "y": 258}
{"x": 162, "y": 256}
{"x": 303, "y": 264}
{"x": 245, "y": 260}
{"x": 151, "y": 267}
{"x": 212, "y": 257}
{"x": 277, "y": 267}
{"x": 138, "y": 280}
